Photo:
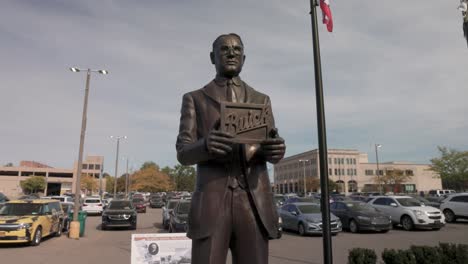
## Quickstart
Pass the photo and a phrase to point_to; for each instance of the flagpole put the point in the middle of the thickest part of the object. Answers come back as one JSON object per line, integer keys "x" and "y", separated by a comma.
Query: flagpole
{"x": 322, "y": 140}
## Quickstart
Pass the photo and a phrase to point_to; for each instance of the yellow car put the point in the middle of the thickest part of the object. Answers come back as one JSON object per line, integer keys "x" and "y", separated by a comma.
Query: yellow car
{"x": 28, "y": 221}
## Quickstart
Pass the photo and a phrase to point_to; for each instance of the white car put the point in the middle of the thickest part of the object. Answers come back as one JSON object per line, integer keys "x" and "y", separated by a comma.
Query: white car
{"x": 455, "y": 206}
{"x": 93, "y": 205}
{"x": 409, "y": 212}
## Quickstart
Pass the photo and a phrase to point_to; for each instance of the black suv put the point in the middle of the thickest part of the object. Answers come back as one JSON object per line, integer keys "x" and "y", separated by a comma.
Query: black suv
{"x": 156, "y": 202}
{"x": 119, "y": 213}
{"x": 179, "y": 216}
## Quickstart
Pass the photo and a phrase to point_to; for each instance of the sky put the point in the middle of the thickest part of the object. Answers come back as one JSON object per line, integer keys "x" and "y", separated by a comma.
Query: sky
{"x": 394, "y": 73}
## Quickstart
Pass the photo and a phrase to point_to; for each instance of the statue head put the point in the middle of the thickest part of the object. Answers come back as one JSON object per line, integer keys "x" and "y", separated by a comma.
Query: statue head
{"x": 228, "y": 55}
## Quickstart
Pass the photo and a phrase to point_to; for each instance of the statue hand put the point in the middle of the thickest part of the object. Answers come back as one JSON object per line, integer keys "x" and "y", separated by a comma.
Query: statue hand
{"x": 219, "y": 143}
{"x": 273, "y": 149}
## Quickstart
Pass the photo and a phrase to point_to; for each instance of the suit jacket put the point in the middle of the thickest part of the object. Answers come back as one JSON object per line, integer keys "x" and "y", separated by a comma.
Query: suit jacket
{"x": 200, "y": 111}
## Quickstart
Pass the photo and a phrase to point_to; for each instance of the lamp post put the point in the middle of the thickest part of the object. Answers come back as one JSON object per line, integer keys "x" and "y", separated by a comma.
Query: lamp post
{"x": 126, "y": 179}
{"x": 303, "y": 165}
{"x": 377, "y": 146}
{"x": 117, "y": 138}
{"x": 75, "y": 225}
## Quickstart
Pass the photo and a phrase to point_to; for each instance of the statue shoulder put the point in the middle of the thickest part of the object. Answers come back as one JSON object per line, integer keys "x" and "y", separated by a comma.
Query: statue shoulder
{"x": 258, "y": 96}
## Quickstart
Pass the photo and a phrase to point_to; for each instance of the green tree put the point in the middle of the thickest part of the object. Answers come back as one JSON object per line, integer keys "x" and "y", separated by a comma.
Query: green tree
{"x": 452, "y": 167}
{"x": 33, "y": 184}
{"x": 184, "y": 177}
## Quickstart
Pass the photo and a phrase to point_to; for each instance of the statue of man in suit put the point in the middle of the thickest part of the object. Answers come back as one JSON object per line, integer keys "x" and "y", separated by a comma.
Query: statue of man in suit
{"x": 232, "y": 206}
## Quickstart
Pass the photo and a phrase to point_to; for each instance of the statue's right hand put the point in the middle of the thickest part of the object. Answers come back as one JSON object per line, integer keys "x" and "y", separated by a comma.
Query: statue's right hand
{"x": 219, "y": 143}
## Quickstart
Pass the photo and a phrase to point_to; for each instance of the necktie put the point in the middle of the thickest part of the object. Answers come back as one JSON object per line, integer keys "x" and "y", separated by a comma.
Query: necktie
{"x": 230, "y": 92}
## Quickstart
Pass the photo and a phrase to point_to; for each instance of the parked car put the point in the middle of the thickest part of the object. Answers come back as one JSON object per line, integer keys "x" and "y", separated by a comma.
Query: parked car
{"x": 409, "y": 212}
{"x": 306, "y": 218}
{"x": 358, "y": 216}
{"x": 433, "y": 203}
{"x": 28, "y": 221}
{"x": 301, "y": 200}
{"x": 67, "y": 199}
{"x": 455, "y": 207}
{"x": 93, "y": 205}
{"x": 119, "y": 213}
{"x": 170, "y": 205}
{"x": 139, "y": 204}
{"x": 156, "y": 202}
{"x": 67, "y": 208}
{"x": 178, "y": 217}
{"x": 3, "y": 199}
{"x": 439, "y": 192}
{"x": 279, "y": 200}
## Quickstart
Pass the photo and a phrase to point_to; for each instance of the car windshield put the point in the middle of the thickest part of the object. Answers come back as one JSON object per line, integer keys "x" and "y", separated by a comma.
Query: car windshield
{"x": 361, "y": 207}
{"x": 137, "y": 200}
{"x": 92, "y": 201}
{"x": 408, "y": 202}
{"x": 116, "y": 205}
{"x": 309, "y": 209}
{"x": 171, "y": 205}
{"x": 21, "y": 209}
{"x": 183, "y": 208}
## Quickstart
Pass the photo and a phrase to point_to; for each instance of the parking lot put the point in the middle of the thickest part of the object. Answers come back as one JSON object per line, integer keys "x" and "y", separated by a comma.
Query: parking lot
{"x": 114, "y": 246}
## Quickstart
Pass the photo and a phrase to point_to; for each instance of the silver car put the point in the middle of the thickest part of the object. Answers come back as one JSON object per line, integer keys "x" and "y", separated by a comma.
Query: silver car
{"x": 166, "y": 210}
{"x": 409, "y": 212}
{"x": 455, "y": 206}
{"x": 306, "y": 218}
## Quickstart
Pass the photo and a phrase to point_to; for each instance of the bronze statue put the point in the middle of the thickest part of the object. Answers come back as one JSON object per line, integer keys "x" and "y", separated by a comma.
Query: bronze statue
{"x": 232, "y": 206}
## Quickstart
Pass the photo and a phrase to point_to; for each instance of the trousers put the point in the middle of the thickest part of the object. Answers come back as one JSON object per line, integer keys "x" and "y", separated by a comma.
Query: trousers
{"x": 238, "y": 229}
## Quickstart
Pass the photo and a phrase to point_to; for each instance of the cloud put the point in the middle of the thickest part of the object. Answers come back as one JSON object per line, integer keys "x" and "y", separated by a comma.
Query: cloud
{"x": 395, "y": 77}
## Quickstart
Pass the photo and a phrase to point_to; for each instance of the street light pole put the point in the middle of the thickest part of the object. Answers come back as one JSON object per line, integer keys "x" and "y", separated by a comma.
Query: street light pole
{"x": 303, "y": 165}
{"x": 117, "y": 162}
{"x": 377, "y": 146}
{"x": 75, "y": 225}
{"x": 126, "y": 180}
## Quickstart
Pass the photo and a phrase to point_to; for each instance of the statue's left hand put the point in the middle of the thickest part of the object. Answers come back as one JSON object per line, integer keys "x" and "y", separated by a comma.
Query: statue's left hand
{"x": 273, "y": 149}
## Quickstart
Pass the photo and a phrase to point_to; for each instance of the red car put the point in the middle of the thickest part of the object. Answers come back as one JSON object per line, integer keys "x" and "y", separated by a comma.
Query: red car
{"x": 139, "y": 204}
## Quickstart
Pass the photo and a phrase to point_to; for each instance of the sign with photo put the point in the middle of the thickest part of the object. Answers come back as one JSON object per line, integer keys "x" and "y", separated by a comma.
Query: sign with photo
{"x": 174, "y": 248}
{"x": 249, "y": 123}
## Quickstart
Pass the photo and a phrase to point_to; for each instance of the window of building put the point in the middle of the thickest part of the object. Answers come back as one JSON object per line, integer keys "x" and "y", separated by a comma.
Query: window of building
{"x": 342, "y": 161}
{"x": 355, "y": 172}
{"x": 9, "y": 173}
{"x": 409, "y": 172}
{"x": 330, "y": 171}
{"x": 369, "y": 172}
{"x": 342, "y": 172}
{"x": 335, "y": 161}
{"x": 84, "y": 166}
{"x": 91, "y": 166}
{"x": 336, "y": 171}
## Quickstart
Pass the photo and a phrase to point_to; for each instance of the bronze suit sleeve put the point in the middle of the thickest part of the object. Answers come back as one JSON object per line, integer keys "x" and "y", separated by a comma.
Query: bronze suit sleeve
{"x": 191, "y": 149}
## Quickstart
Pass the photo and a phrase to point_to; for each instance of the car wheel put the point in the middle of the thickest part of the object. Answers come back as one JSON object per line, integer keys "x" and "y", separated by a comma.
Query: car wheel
{"x": 134, "y": 227}
{"x": 353, "y": 226}
{"x": 59, "y": 230}
{"x": 103, "y": 227}
{"x": 449, "y": 216}
{"x": 301, "y": 229}
{"x": 407, "y": 223}
{"x": 385, "y": 231}
{"x": 37, "y": 238}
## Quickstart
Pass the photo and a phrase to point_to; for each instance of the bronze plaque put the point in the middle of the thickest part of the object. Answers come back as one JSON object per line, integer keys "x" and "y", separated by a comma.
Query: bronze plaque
{"x": 249, "y": 123}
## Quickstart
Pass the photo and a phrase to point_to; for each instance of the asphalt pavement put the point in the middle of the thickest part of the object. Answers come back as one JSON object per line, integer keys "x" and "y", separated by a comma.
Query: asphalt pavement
{"x": 113, "y": 246}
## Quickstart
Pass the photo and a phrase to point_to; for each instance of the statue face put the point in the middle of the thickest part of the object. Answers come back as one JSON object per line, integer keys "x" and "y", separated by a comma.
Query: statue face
{"x": 228, "y": 56}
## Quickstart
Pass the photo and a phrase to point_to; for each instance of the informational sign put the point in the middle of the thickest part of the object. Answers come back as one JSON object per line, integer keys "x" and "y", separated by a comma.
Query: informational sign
{"x": 249, "y": 123}
{"x": 173, "y": 248}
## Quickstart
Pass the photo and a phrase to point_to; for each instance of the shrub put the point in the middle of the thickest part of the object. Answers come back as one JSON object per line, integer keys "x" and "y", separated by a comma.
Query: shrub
{"x": 453, "y": 254}
{"x": 362, "y": 256}
{"x": 392, "y": 256}
{"x": 426, "y": 254}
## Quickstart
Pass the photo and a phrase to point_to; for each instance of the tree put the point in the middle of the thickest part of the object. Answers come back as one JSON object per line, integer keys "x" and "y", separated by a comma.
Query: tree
{"x": 149, "y": 164}
{"x": 88, "y": 183}
{"x": 184, "y": 178}
{"x": 393, "y": 178}
{"x": 33, "y": 184}
{"x": 313, "y": 183}
{"x": 9, "y": 164}
{"x": 150, "y": 179}
{"x": 452, "y": 167}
